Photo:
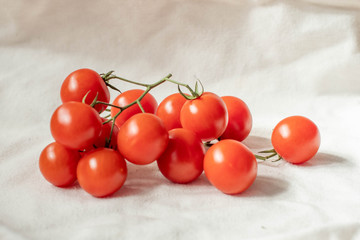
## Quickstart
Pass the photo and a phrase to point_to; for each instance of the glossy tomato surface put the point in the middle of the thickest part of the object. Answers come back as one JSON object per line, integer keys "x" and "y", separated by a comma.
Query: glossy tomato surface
{"x": 182, "y": 161}
{"x": 240, "y": 119}
{"x": 296, "y": 139}
{"x": 79, "y": 83}
{"x": 75, "y": 125}
{"x": 148, "y": 103}
{"x": 102, "y": 172}
{"x": 230, "y": 166}
{"x": 58, "y": 164}
{"x": 169, "y": 110}
{"x": 142, "y": 138}
{"x": 206, "y": 116}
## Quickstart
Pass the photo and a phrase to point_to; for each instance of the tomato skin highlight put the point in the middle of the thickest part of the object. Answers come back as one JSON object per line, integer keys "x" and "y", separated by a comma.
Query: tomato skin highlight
{"x": 296, "y": 139}
{"x": 206, "y": 116}
{"x": 230, "y": 166}
{"x": 149, "y": 104}
{"x": 102, "y": 172}
{"x": 75, "y": 125}
{"x": 240, "y": 119}
{"x": 142, "y": 138}
{"x": 169, "y": 110}
{"x": 79, "y": 83}
{"x": 58, "y": 164}
{"x": 182, "y": 161}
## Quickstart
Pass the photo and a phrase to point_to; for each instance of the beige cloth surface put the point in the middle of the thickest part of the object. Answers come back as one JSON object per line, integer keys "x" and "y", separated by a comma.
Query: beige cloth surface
{"x": 282, "y": 57}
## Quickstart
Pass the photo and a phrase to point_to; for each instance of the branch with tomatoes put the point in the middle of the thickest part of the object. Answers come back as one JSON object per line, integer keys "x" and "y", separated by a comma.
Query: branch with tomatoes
{"x": 186, "y": 134}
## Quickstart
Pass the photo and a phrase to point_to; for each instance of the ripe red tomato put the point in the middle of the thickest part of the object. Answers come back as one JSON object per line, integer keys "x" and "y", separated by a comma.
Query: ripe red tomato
{"x": 102, "y": 172}
{"x": 142, "y": 138}
{"x": 206, "y": 116}
{"x": 75, "y": 125}
{"x": 169, "y": 110}
{"x": 148, "y": 103}
{"x": 105, "y": 134}
{"x": 182, "y": 161}
{"x": 230, "y": 166}
{"x": 79, "y": 83}
{"x": 240, "y": 120}
{"x": 58, "y": 164}
{"x": 296, "y": 139}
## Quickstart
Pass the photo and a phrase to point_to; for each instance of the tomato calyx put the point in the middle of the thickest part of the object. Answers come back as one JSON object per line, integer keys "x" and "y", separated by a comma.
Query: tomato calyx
{"x": 106, "y": 77}
{"x": 272, "y": 153}
{"x": 196, "y": 93}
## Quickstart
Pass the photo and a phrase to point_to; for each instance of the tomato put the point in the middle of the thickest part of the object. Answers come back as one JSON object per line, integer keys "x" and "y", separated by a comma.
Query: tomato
{"x": 230, "y": 166}
{"x": 148, "y": 103}
{"x": 104, "y": 135}
{"x": 169, "y": 110}
{"x": 206, "y": 116}
{"x": 142, "y": 138}
{"x": 58, "y": 164}
{"x": 79, "y": 83}
{"x": 182, "y": 161}
{"x": 102, "y": 172}
{"x": 240, "y": 119}
{"x": 296, "y": 139}
{"x": 75, "y": 125}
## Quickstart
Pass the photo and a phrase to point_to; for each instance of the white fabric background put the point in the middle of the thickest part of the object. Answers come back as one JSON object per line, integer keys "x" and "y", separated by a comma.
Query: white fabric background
{"x": 282, "y": 57}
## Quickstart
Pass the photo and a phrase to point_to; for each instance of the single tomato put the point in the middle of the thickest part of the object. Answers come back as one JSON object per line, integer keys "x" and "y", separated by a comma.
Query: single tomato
{"x": 182, "y": 161}
{"x": 75, "y": 125}
{"x": 102, "y": 172}
{"x": 296, "y": 139}
{"x": 169, "y": 110}
{"x": 148, "y": 103}
{"x": 206, "y": 116}
{"x": 100, "y": 141}
{"x": 142, "y": 138}
{"x": 82, "y": 81}
{"x": 240, "y": 119}
{"x": 230, "y": 166}
{"x": 58, "y": 164}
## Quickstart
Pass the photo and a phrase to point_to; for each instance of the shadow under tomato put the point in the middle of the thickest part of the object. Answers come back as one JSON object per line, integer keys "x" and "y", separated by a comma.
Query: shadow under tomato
{"x": 256, "y": 142}
{"x": 265, "y": 186}
{"x": 321, "y": 159}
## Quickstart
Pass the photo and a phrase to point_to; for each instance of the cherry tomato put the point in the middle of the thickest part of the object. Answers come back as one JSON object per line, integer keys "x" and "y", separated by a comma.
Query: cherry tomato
{"x": 148, "y": 103}
{"x": 58, "y": 164}
{"x": 296, "y": 139}
{"x": 206, "y": 116}
{"x": 142, "y": 138}
{"x": 79, "y": 83}
{"x": 169, "y": 110}
{"x": 75, "y": 125}
{"x": 230, "y": 166}
{"x": 240, "y": 120}
{"x": 182, "y": 161}
{"x": 104, "y": 135}
{"x": 102, "y": 172}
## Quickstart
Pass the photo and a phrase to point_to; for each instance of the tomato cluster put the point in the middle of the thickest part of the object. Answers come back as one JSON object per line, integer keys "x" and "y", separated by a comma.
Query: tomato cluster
{"x": 94, "y": 149}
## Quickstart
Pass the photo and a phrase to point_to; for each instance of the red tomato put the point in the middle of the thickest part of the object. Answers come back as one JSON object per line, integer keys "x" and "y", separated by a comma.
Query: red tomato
{"x": 75, "y": 125}
{"x": 105, "y": 134}
{"x": 182, "y": 161}
{"x": 296, "y": 139}
{"x": 169, "y": 110}
{"x": 142, "y": 138}
{"x": 102, "y": 172}
{"x": 58, "y": 164}
{"x": 206, "y": 116}
{"x": 240, "y": 120}
{"x": 230, "y": 166}
{"x": 148, "y": 103}
{"x": 79, "y": 83}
